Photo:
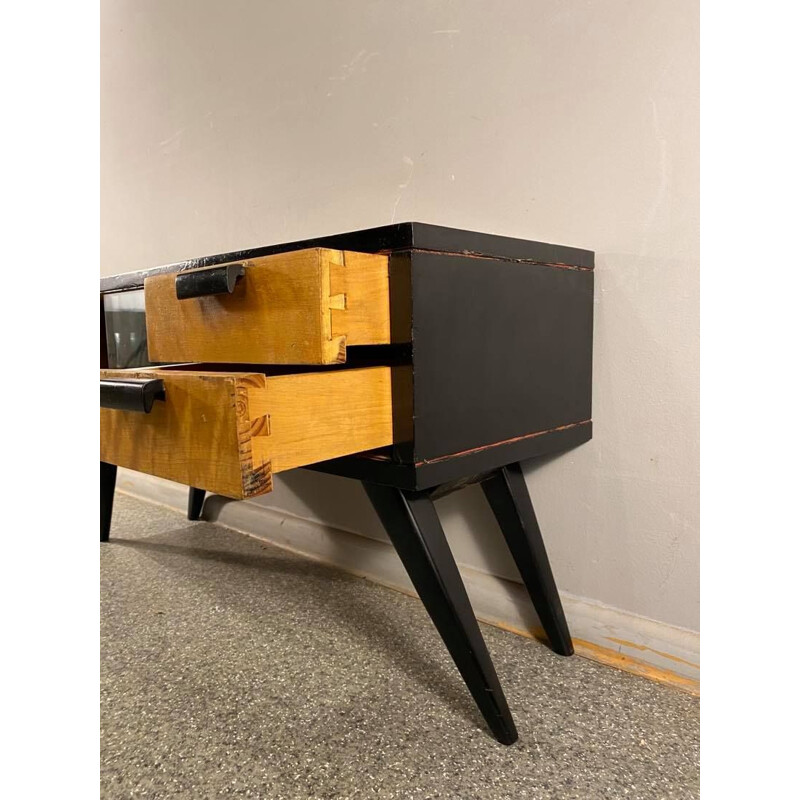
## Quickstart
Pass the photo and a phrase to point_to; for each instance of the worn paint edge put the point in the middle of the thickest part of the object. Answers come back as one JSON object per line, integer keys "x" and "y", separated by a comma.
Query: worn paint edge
{"x": 616, "y": 638}
{"x": 483, "y": 447}
{"x": 507, "y": 259}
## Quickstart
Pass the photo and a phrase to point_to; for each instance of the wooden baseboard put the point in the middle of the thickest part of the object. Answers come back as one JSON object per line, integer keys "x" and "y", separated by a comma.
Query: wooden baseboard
{"x": 638, "y": 645}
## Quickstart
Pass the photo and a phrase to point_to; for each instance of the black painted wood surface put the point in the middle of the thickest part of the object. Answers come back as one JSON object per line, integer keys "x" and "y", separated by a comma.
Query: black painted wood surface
{"x": 413, "y": 526}
{"x": 501, "y": 350}
{"x": 418, "y": 236}
{"x": 508, "y": 496}
{"x": 108, "y": 481}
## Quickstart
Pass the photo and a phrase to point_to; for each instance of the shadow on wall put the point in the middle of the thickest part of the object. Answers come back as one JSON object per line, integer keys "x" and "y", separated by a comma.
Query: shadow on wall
{"x": 342, "y": 503}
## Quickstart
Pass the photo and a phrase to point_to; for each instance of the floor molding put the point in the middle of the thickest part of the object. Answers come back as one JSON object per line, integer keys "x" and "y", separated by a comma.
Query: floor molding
{"x": 645, "y": 647}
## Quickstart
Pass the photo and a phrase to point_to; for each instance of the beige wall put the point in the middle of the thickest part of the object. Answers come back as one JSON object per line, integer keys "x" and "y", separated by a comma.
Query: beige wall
{"x": 233, "y": 124}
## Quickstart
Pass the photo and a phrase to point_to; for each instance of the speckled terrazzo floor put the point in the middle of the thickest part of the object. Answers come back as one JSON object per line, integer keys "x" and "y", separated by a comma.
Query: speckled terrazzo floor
{"x": 231, "y": 668}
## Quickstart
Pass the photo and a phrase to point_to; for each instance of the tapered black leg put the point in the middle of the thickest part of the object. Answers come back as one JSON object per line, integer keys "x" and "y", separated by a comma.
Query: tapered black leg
{"x": 416, "y": 533}
{"x": 196, "y": 497}
{"x": 508, "y": 496}
{"x": 108, "y": 479}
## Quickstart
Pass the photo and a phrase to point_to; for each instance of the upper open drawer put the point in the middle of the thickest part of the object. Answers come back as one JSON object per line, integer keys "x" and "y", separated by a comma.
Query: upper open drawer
{"x": 302, "y": 307}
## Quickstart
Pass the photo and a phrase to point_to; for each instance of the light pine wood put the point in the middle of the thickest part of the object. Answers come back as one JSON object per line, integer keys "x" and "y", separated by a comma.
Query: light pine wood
{"x": 201, "y": 435}
{"x": 302, "y": 307}
{"x": 227, "y": 432}
{"x": 362, "y": 281}
{"x": 322, "y": 415}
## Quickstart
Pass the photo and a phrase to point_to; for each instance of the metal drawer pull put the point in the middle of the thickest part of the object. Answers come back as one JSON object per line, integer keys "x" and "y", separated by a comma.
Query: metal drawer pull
{"x": 131, "y": 395}
{"x": 202, "y": 282}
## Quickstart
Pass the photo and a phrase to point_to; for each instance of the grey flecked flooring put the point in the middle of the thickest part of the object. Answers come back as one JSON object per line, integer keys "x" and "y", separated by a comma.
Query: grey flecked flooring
{"x": 231, "y": 668}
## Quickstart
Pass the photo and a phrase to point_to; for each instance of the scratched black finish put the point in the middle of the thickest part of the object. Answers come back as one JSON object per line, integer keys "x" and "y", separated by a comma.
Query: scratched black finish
{"x": 508, "y": 496}
{"x": 413, "y": 526}
{"x": 500, "y": 350}
{"x": 388, "y": 239}
{"x": 389, "y": 472}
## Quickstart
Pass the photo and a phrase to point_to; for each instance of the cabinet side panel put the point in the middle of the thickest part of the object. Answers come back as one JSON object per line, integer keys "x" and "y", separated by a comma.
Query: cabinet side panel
{"x": 501, "y": 350}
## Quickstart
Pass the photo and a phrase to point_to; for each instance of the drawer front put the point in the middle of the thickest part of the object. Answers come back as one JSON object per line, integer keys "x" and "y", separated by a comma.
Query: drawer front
{"x": 228, "y": 432}
{"x": 302, "y": 307}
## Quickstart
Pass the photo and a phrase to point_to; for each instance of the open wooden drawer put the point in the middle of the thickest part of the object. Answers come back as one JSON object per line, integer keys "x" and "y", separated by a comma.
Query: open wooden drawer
{"x": 301, "y": 307}
{"x": 228, "y": 432}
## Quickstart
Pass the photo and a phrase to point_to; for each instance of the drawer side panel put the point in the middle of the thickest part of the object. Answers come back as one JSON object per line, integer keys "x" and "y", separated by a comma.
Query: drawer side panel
{"x": 316, "y": 416}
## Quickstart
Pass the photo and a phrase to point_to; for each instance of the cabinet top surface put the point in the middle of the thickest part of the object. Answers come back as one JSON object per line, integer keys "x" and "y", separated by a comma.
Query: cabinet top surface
{"x": 400, "y": 237}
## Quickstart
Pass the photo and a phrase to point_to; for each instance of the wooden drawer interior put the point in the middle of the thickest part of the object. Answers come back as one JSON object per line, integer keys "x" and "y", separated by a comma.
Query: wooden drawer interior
{"x": 301, "y": 307}
{"x": 228, "y": 432}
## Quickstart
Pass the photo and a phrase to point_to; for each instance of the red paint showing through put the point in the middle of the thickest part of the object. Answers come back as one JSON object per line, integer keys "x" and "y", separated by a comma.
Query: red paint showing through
{"x": 497, "y": 444}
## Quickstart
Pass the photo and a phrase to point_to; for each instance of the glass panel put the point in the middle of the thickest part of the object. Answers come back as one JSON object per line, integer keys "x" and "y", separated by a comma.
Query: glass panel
{"x": 126, "y": 331}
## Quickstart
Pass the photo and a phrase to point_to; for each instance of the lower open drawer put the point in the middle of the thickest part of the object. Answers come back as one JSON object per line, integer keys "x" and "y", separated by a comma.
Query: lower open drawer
{"x": 228, "y": 432}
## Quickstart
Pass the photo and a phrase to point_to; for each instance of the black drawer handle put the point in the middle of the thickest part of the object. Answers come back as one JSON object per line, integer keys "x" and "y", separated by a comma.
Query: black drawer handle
{"x": 202, "y": 282}
{"x": 131, "y": 395}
